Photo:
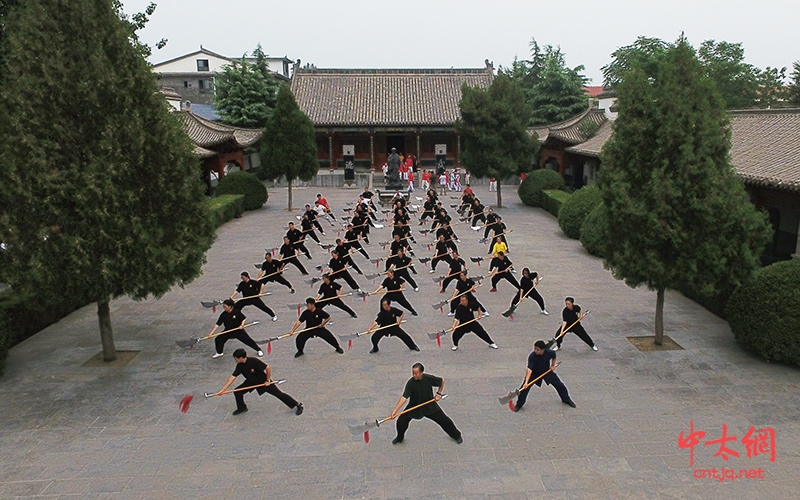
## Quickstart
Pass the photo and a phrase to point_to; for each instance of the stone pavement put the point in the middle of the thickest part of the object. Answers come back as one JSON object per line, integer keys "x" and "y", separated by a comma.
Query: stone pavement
{"x": 76, "y": 432}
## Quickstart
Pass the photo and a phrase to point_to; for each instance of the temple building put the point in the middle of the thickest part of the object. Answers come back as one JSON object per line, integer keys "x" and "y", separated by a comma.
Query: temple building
{"x": 361, "y": 114}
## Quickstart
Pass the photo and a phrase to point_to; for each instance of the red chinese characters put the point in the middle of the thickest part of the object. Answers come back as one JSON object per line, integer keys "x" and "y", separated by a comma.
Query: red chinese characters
{"x": 756, "y": 442}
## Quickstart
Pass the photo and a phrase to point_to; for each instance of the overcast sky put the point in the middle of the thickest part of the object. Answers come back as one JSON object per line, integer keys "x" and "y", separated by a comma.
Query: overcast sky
{"x": 461, "y": 34}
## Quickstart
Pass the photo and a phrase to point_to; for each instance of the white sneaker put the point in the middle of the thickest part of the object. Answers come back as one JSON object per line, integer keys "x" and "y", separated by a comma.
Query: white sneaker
{"x": 458, "y": 241}
{"x": 431, "y": 271}
{"x": 451, "y": 314}
{"x": 275, "y": 318}
{"x": 416, "y": 289}
{"x": 455, "y": 348}
{"x": 554, "y": 348}
{"x": 594, "y": 347}
{"x": 493, "y": 346}
{"x": 260, "y": 353}
{"x": 486, "y": 313}
{"x": 545, "y": 312}
{"x": 217, "y": 355}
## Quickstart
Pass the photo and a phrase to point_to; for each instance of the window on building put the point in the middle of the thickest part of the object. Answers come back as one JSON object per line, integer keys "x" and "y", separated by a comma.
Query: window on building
{"x": 204, "y": 86}
{"x": 186, "y": 84}
{"x": 202, "y": 65}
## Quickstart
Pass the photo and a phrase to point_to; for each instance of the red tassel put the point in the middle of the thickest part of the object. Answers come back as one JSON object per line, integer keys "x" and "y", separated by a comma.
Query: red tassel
{"x": 298, "y": 309}
{"x": 364, "y": 298}
{"x": 479, "y": 263}
{"x": 191, "y": 347}
{"x": 438, "y": 340}
{"x": 378, "y": 264}
{"x": 184, "y": 404}
{"x": 511, "y": 316}
{"x": 213, "y": 309}
{"x": 366, "y": 437}
{"x": 269, "y": 348}
{"x": 429, "y": 247}
{"x": 511, "y": 405}
{"x": 349, "y": 344}
{"x": 441, "y": 310}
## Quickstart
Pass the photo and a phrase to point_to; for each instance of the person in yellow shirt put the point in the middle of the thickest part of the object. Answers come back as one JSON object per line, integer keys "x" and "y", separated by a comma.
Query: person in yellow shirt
{"x": 499, "y": 247}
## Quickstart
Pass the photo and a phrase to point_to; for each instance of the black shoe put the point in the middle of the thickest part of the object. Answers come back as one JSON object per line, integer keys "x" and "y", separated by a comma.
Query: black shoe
{"x": 298, "y": 410}
{"x": 414, "y": 313}
{"x": 298, "y": 354}
{"x": 571, "y": 404}
{"x": 415, "y": 348}
{"x": 292, "y": 290}
{"x": 354, "y": 316}
{"x": 459, "y": 440}
{"x": 239, "y": 411}
{"x": 517, "y": 408}
{"x": 340, "y": 350}
{"x": 309, "y": 256}
{"x": 373, "y": 350}
{"x": 305, "y": 273}
{"x": 397, "y": 440}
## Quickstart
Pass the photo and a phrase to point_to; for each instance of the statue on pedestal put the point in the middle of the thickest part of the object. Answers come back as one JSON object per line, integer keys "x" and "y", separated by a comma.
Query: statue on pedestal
{"x": 393, "y": 174}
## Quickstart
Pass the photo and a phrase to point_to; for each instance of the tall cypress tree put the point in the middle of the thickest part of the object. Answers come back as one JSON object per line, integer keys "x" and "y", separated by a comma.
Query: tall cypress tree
{"x": 678, "y": 215}
{"x": 289, "y": 146}
{"x": 102, "y": 195}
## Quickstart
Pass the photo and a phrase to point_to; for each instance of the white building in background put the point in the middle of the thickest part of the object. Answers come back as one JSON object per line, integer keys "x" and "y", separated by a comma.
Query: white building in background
{"x": 192, "y": 75}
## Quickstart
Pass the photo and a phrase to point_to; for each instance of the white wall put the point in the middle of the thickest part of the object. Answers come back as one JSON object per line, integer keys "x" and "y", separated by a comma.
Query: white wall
{"x": 188, "y": 64}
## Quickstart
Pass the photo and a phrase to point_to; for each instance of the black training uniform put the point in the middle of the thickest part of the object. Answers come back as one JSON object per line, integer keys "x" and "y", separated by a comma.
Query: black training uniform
{"x": 338, "y": 270}
{"x": 254, "y": 372}
{"x": 418, "y": 392}
{"x": 229, "y": 321}
{"x": 251, "y": 289}
{"x": 526, "y": 287}
{"x": 326, "y": 291}
{"x": 313, "y": 319}
{"x": 393, "y": 294}
{"x": 273, "y": 268}
{"x": 539, "y": 364}
{"x": 456, "y": 266}
{"x": 464, "y": 314}
{"x": 289, "y": 256}
{"x": 387, "y": 318}
{"x": 571, "y": 317}
{"x": 501, "y": 265}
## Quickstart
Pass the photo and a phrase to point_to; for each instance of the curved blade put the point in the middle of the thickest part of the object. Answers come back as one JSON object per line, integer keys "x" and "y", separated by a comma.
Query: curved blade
{"x": 187, "y": 343}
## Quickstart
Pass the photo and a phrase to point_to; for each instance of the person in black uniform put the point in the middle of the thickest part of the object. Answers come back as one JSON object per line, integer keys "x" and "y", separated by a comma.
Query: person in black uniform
{"x": 527, "y": 286}
{"x": 330, "y": 289}
{"x": 464, "y": 284}
{"x": 402, "y": 263}
{"x": 230, "y": 319}
{"x": 312, "y": 217}
{"x": 398, "y": 243}
{"x": 390, "y": 316}
{"x": 457, "y": 265}
{"x": 428, "y": 210}
{"x": 252, "y": 289}
{"x": 360, "y": 226}
{"x": 442, "y": 253}
{"x": 394, "y": 291}
{"x": 272, "y": 270}
{"x": 337, "y": 268}
{"x": 500, "y": 268}
{"x": 346, "y": 255}
{"x": 449, "y": 235}
{"x": 298, "y": 239}
{"x": 441, "y": 218}
{"x": 316, "y": 319}
{"x": 464, "y": 313}
{"x": 418, "y": 390}
{"x": 402, "y": 224}
{"x": 351, "y": 240}
{"x": 571, "y": 314}
{"x": 476, "y": 211}
{"x": 256, "y": 372}
{"x": 307, "y": 228}
{"x": 498, "y": 228}
{"x": 539, "y": 361}
{"x": 368, "y": 195}
{"x": 491, "y": 218}
{"x": 289, "y": 255}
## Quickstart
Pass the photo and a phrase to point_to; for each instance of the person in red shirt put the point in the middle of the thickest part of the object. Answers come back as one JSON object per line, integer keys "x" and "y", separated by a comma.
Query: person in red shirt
{"x": 411, "y": 180}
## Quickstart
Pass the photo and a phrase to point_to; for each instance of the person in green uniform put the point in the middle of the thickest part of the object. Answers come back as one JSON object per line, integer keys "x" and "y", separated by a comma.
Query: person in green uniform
{"x": 418, "y": 390}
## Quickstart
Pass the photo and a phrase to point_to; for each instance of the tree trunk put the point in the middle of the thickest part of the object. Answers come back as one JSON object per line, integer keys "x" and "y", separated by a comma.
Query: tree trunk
{"x": 106, "y": 336}
{"x": 499, "y": 195}
{"x": 659, "y": 316}
{"x": 290, "y": 193}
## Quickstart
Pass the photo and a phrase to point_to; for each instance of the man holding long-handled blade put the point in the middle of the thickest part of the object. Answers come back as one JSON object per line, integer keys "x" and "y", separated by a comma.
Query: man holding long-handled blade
{"x": 232, "y": 320}
{"x": 351, "y": 240}
{"x": 251, "y": 291}
{"x": 401, "y": 265}
{"x": 457, "y": 265}
{"x": 465, "y": 287}
{"x": 419, "y": 391}
{"x": 465, "y": 321}
{"x": 389, "y": 319}
{"x": 258, "y": 377}
{"x": 527, "y": 288}
{"x": 315, "y": 320}
{"x": 337, "y": 268}
{"x": 571, "y": 322}
{"x": 541, "y": 361}
{"x": 332, "y": 293}
{"x": 289, "y": 255}
{"x": 500, "y": 268}
{"x": 272, "y": 270}
{"x": 394, "y": 286}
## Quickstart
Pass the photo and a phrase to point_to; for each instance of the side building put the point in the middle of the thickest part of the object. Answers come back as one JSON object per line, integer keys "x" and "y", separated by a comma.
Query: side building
{"x": 362, "y": 114}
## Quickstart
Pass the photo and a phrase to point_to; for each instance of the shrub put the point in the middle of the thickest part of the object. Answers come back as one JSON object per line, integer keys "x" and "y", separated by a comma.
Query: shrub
{"x": 531, "y": 190}
{"x": 239, "y": 182}
{"x": 763, "y": 313}
{"x": 553, "y": 200}
{"x": 594, "y": 231}
{"x": 223, "y": 208}
{"x": 575, "y": 210}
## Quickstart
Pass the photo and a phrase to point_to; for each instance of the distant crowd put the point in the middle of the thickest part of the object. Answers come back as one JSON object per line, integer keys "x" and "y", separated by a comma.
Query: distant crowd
{"x": 444, "y": 179}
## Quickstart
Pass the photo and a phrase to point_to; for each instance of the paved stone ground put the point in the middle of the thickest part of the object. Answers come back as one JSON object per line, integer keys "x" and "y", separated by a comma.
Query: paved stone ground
{"x": 74, "y": 432}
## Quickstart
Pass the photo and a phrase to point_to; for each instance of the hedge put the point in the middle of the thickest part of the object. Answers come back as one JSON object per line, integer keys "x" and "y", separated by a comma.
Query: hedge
{"x": 22, "y": 316}
{"x": 239, "y": 182}
{"x": 224, "y": 208}
{"x": 531, "y": 190}
{"x": 576, "y": 208}
{"x": 553, "y": 200}
{"x": 594, "y": 231}
{"x": 763, "y": 313}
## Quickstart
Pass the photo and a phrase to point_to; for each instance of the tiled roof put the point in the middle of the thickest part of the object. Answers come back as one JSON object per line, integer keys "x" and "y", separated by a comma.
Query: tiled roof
{"x": 384, "y": 97}
{"x": 593, "y": 146}
{"x": 571, "y": 130}
{"x": 213, "y": 135}
{"x": 765, "y": 147}
{"x": 593, "y": 90}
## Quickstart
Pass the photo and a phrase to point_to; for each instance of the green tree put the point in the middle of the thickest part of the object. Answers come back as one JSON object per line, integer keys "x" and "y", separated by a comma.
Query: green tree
{"x": 793, "y": 94}
{"x": 101, "y": 192}
{"x": 246, "y": 92}
{"x": 737, "y": 81}
{"x": 553, "y": 91}
{"x": 135, "y": 23}
{"x": 289, "y": 146}
{"x": 678, "y": 216}
{"x": 493, "y": 124}
{"x": 645, "y": 53}
{"x": 771, "y": 90}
